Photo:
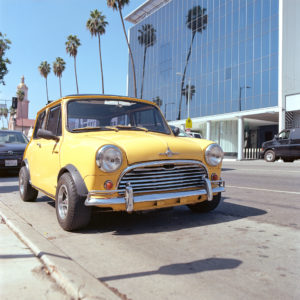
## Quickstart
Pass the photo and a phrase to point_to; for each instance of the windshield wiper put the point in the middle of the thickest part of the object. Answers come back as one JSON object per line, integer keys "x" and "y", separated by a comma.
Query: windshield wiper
{"x": 88, "y": 128}
{"x": 131, "y": 127}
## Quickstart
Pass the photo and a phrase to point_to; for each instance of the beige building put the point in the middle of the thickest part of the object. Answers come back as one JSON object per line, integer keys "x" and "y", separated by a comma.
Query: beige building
{"x": 19, "y": 121}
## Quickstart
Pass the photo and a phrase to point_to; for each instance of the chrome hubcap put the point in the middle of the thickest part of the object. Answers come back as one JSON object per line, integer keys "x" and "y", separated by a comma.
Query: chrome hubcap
{"x": 63, "y": 201}
{"x": 269, "y": 156}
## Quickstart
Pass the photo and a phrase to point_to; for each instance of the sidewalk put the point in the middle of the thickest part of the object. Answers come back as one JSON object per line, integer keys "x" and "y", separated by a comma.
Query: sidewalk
{"x": 32, "y": 268}
{"x": 22, "y": 275}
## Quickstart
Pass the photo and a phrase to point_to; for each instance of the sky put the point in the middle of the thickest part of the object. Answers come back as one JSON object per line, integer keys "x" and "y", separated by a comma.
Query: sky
{"x": 38, "y": 30}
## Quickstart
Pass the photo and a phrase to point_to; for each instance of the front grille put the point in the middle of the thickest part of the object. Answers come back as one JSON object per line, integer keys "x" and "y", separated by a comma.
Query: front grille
{"x": 11, "y": 153}
{"x": 165, "y": 176}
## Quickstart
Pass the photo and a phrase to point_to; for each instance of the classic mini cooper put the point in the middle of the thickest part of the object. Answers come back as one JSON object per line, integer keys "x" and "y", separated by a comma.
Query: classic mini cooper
{"x": 116, "y": 153}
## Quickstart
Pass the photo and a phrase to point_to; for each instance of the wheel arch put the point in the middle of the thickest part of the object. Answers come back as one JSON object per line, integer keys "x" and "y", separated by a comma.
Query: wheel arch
{"x": 77, "y": 178}
{"x": 26, "y": 165}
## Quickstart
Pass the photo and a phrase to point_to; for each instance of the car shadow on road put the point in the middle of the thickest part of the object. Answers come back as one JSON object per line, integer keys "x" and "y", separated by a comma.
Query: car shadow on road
{"x": 197, "y": 266}
{"x": 9, "y": 189}
{"x": 164, "y": 220}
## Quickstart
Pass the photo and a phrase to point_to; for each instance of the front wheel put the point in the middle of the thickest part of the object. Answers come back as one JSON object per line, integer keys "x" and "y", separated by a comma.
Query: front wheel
{"x": 27, "y": 192}
{"x": 269, "y": 156}
{"x": 206, "y": 205}
{"x": 71, "y": 212}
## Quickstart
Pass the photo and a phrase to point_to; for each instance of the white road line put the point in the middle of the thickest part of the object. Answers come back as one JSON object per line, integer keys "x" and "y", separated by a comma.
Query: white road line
{"x": 256, "y": 189}
{"x": 286, "y": 171}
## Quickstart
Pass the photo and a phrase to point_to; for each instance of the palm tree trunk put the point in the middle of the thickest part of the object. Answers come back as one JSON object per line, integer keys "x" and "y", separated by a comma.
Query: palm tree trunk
{"x": 142, "y": 87}
{"x": 47, "y": 90}
{"x": 76, "y": 74}
{"x": 183, "y": 76}
{"x": 131, "y": 56}
{"x": 60, "y": 86}
{"x": 101, "y": 68}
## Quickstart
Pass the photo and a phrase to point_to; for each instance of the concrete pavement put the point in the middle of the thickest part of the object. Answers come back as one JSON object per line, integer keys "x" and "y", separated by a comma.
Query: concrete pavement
{"x": 33, "y": 268}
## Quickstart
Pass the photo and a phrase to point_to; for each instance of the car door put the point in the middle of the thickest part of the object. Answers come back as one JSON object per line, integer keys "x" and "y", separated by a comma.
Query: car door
{"x": 33, "y": 152}
{"x": 295, "y": 142}
{"x": 49, "y": 158}
{"x": 283, "y": 144}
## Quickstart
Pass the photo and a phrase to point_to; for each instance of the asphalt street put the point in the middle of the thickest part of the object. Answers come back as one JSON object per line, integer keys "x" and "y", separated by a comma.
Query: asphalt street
{"x": 249, "y": 247}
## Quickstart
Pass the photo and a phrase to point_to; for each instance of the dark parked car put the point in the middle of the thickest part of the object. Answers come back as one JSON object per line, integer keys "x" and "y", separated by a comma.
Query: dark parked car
{"x": 12, "y": 146}
{"x": 285, "y": 145}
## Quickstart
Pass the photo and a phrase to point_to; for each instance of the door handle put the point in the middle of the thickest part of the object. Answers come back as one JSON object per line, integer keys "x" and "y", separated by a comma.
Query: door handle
{"x": 39, "y": 145}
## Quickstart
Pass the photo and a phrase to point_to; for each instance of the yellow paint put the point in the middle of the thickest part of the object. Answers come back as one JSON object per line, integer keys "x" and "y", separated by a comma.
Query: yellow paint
{"x": 47, "y": 157}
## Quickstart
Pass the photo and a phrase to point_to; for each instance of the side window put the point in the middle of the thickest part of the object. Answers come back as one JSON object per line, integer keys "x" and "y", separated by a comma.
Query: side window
{"x": 54, "y": 121}
{"x": 39, "y": 123}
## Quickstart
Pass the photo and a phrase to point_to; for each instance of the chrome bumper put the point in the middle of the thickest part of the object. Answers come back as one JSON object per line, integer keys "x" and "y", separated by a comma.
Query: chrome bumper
{"x": 129, "y": 199}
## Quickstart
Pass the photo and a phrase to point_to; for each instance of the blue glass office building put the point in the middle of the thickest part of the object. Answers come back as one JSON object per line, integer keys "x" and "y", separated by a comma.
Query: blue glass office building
{"x": 217, "y": 61}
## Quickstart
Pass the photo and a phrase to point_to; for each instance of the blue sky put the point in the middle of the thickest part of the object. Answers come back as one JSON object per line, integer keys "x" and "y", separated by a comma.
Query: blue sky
{"x": 38, "y": 30}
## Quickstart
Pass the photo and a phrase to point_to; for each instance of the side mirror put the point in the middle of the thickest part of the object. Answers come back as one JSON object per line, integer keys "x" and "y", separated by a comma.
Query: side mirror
{"x": 175, "y": 130}
{"x": 276, "y": 136}
{"x": 46, "y": 134}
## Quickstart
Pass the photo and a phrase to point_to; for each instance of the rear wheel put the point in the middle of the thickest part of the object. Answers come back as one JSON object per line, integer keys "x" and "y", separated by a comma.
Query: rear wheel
{"x": 206, "y": 205}
{"x": 27, "y": 192}
{"x": 269, "y": 156}
{"x": 71, "y": 212}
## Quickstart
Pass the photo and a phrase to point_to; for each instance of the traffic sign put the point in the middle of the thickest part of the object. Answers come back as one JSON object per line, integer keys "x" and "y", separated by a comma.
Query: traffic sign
{"x": 188, "y": 123}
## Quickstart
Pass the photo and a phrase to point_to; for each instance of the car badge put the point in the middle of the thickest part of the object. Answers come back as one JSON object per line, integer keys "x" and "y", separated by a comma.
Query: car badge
{"x": 10, "y": 152}
{"x": 168, "y": 153}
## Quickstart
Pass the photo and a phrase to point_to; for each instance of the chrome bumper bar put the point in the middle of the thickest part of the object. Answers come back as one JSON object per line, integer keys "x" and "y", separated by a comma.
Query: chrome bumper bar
{"x": 129, "y": 199}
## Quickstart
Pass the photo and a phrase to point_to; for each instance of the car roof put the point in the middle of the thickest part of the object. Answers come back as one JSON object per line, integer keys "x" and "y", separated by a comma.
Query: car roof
{"x": 94, "y": 96}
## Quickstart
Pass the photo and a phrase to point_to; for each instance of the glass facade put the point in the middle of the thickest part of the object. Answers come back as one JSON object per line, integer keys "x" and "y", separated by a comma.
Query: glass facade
{"x": 221, "y": 56}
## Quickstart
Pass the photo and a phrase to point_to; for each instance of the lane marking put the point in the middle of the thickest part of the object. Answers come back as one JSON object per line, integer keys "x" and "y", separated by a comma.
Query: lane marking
{"x": 263, "y": 170}
{"x": 257, "y": 189}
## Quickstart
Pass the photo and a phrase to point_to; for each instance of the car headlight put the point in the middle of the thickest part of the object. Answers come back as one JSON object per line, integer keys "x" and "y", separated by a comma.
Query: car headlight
{"x": 214, "y": 154}
{"x": 109, "y": 158}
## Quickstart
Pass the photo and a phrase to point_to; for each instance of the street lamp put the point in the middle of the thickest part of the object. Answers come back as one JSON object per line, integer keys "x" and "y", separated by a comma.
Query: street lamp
{"x": 240, "y": 95}
{"x": 189, "y": 92}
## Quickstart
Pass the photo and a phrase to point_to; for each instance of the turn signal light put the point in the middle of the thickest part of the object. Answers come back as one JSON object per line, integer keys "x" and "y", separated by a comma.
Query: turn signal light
{"x": 108, "y": 185}
{"x": 214, "y": 177}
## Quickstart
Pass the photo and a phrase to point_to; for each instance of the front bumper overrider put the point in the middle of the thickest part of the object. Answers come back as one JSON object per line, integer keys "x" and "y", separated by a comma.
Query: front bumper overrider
{"x": 102, "y": 198}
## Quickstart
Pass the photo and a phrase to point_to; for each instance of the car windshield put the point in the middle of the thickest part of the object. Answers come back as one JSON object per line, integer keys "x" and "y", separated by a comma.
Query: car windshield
{"x": 12, "y": 138}
{"x": 111, "y": 114}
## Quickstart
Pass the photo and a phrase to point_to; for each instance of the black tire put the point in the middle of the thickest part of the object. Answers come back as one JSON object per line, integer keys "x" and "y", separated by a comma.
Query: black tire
{"x": 206, "y": 206}
{"x": 27, "y": 192}
{"x": 71, "y": 212}
{"x": 269, "y": 156}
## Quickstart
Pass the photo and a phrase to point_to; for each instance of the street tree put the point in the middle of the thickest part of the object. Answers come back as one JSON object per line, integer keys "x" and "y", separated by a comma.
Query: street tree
{"x": 146, "y": 38}
{"x": 58, "y": 68}
{"x": 72, "y": 44}
{"x": 96, "y": 25}
{"x": 118, "y": 5}
{"x": 45, "y": 69}
{"x": 4, "y": 45}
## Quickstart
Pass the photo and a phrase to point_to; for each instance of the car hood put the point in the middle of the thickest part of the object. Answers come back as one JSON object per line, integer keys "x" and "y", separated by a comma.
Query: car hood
{"x": 140, "y": 146}
{"x": 12, "y": 147}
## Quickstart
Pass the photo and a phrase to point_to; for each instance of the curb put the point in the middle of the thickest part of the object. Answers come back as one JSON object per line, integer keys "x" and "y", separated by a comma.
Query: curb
{"x": 75, "y": 280}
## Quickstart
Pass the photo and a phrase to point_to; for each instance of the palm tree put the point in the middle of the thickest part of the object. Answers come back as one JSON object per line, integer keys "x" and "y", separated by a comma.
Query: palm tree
{"x": 196, "y": 21}
{"x": 44, "y": 69}
{"x": 72, "y": 44}
{"x": 96, "y": 25}
{"x": 58, "y": 68}
{"x": 188, "y": 92}
{"x": 147, "y": 38}
{"x": 20, "y": 96}
{"x": 118, "y": 5}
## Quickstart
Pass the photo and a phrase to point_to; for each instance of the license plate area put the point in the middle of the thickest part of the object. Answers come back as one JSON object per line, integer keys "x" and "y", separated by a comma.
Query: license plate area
{"x": 11, "y": 163}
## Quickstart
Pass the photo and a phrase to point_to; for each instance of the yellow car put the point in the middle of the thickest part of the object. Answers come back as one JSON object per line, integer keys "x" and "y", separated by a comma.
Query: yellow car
{"x": 116, "y": 153}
